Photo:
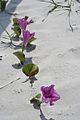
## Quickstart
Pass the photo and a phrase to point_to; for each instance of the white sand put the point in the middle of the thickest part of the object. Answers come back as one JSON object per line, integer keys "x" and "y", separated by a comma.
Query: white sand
{"x": 57, "y": 54}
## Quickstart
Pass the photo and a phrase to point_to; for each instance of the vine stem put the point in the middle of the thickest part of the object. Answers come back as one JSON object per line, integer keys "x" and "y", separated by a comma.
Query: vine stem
{"x": 64, "y": 7}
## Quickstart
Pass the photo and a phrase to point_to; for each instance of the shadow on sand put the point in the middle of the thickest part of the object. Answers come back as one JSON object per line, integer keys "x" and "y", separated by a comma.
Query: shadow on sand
{"x": 19, "y": 66}
{"x": 42, "y": 116}
{"x": 5, "y": 17}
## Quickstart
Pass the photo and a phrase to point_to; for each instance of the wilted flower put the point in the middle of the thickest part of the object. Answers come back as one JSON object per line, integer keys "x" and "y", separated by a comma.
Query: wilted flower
{"x": 49, "y": 94}
{"x": 24, "y": 22}
{"x": 27, "y": 36}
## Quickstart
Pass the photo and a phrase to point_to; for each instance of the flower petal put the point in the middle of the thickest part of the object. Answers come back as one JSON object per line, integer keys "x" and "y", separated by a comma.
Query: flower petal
{"x": 49, "y": 94}
{"x": 27, "y": 36}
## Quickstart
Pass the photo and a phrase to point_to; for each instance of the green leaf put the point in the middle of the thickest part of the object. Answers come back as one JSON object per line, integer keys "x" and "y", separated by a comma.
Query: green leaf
{"x": 20, "y": 56}
{"x": 3, "y": 5}
{"x": 17, "y": 30}
{"x": 32, "y": 40}
{"x": 23, "y": 48}
{"x": 15, "y": 21}
{"x": 38, "y": 96}
{"x": 34, "y": 100}
{"x": 30, "y": 70}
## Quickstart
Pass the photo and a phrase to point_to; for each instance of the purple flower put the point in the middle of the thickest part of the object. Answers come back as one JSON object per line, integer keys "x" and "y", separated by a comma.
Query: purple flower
{"x": 24, "y": 22}
{"x": 49, "y": 94}
{"x": 27, "y": 36}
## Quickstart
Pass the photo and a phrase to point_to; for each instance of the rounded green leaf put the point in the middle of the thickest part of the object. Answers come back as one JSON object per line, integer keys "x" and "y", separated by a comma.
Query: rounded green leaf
{"x": 17, "y": 30}
{"x": 15, "y": 21}
{"x": 20, "y": 56}
{"x": 30, "y": 69}
{"x": 35, "y": 100}
{"x": 38, "y": 96}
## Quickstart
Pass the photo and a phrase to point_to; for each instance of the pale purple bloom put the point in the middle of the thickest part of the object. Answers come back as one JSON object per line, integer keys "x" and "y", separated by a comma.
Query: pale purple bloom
{"x": 49, "y": 94}
{"x": 27, "y": 36}
{"x": 24, "y": 22}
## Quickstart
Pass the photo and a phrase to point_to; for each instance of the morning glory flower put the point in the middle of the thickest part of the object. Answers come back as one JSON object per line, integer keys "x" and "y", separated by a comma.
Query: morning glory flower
{"x": 27, "y": 36}
{"x": 24, "y": 22}
{"x": 49, "y": 94}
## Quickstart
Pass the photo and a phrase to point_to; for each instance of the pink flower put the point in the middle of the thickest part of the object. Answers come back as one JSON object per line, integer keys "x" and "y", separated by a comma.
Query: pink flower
{"x": 27, "y": 36}
{"x": 49, "y": 94}
{"x": 24, "y": 22}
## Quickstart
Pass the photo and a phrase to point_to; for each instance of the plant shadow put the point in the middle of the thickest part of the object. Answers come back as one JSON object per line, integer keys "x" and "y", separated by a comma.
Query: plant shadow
{"x": 19, "y": 65}
{"x": 5, "y": 15}
{"x": 30, "y": 48}
{"x": 10, "y": 44}
{"x": 42, "y": 116}
{"x": 15, "y": 46}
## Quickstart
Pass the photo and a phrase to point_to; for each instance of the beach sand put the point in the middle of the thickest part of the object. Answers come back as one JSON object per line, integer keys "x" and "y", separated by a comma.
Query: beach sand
{"x": 57, "y": 53}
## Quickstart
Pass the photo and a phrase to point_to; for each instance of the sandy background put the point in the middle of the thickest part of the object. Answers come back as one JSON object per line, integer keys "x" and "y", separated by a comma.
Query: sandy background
{"x": 57, "y": 54}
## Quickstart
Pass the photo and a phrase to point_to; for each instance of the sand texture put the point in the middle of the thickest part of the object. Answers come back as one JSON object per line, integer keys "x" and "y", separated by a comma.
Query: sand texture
{"x": 57, "y": 53}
